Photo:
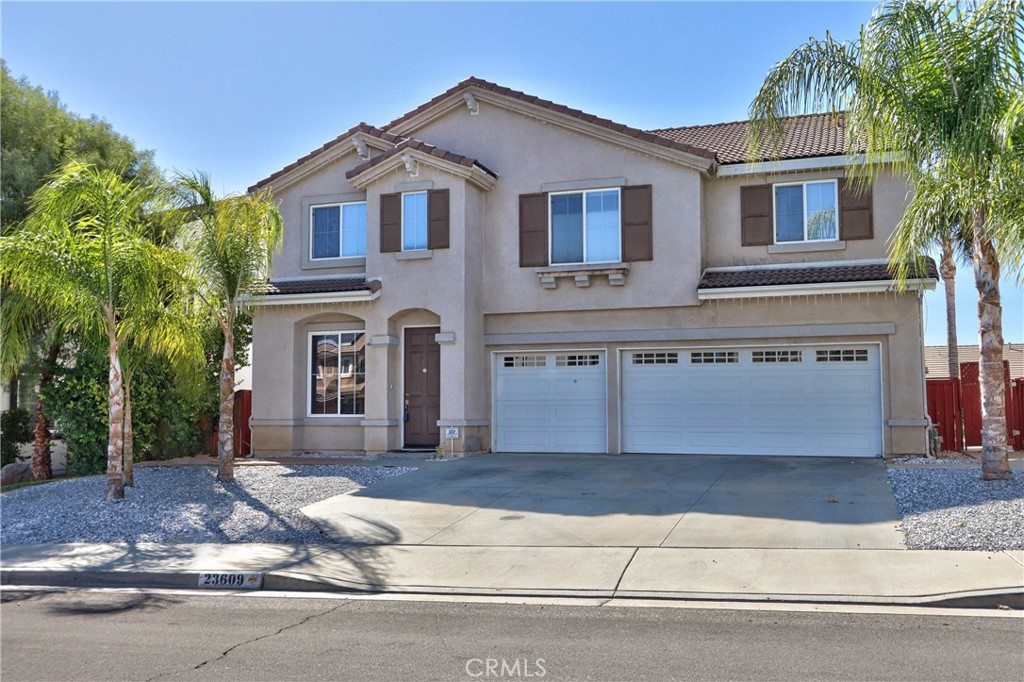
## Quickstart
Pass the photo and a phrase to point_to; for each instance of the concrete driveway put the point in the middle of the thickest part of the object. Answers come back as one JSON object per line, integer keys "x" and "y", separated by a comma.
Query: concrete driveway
{"x": 624, "y": 501}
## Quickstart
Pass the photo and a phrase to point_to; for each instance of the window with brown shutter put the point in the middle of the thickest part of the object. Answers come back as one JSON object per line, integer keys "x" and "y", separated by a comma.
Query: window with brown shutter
{"x": 390, "y": 223}
{"x": 533, "y": 230}
{"x": 437, "y": 219}
{"x": 855, "y": 220}
{"x": 756, "y": 215}
{"x": 637, "y": 231}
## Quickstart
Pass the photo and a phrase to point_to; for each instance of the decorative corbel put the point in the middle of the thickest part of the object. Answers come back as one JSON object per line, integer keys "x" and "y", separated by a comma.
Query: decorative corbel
{"x": 474, "y": 108}
{"x": 411, "y": 166}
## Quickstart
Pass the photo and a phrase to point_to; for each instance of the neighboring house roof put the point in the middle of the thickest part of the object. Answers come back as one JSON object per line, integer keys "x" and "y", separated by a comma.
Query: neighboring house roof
{"x": 364, "y": 128}
{"x": 420, "y": 146}
{"x": 473, "y": 82}
{"x": 770, "y": 276}
{"x": 936, "y": 359}
{"x": 320, "y": 285}
{"x": 805, "y": 136}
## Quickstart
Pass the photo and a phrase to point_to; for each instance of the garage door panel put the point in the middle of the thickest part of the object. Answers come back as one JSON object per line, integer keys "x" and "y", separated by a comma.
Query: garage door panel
{"x": 786, "y": 403}
{"x": 544, "y": 402}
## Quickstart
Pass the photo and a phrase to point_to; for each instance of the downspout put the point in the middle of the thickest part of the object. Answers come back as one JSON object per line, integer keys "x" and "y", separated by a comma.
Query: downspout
{"x": 924, "y": 367}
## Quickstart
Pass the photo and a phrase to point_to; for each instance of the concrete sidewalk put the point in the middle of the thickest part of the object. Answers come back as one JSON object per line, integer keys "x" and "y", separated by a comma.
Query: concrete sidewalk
{"x": 778, "y": 575}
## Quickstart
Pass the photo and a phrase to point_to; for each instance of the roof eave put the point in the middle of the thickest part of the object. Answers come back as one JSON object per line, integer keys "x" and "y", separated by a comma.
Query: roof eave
{"x": 820, "y": 289}
{"x": 474, "y": 174}
{"x": 699, "y": 159}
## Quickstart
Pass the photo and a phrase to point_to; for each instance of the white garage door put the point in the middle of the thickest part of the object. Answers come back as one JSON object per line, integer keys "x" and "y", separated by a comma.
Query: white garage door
{"x": 551, "y": 402}
{"x": 785, "y": 400}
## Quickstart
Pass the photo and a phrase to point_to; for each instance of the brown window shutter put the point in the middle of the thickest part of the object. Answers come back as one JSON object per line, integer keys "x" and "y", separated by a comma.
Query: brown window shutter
{"x": 533, "y": 230}
{"x": 437, "y": 219}
{"x": 756, "y": 215}
{"x": 390, "y": 223}
{"x": 637, "y": 232}
{"x": 854, "y": 212}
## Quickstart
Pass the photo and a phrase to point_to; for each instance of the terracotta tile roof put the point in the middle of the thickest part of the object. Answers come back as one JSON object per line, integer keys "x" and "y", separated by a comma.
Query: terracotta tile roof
{"x": 364, "y": 128}
{"x": 760, "y": 276}
{"x": 936, "y": 359}
{"x": 420, "y": 146}
{"x": 320, "y": 285}
{"x": 805, "y": 136}
{"x": 646, "y": 136}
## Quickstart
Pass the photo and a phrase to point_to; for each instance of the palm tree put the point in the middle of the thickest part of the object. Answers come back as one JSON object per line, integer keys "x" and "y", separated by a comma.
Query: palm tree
{"x": 24, "y": 325}
{"x": 83, "y": 252}
{"x": 232, "y": 242}
{"x": 936, "y": 89}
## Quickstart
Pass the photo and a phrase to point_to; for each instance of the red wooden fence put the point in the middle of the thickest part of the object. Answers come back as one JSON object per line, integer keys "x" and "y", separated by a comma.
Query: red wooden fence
{"x": 1016, "y": 410}
{"x": 970, "y": 400}
{"x": 944, "y": 409}
{"x": 954, "y": 406}
{"x": 243, "y": 433}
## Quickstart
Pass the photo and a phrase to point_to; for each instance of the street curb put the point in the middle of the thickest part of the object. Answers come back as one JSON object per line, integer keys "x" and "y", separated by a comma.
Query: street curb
{"x": 293, "y": 582}
{"x": 290, "y": 582}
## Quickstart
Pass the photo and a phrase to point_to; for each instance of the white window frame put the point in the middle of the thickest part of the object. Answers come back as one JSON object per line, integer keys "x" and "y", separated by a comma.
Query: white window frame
{"x": 425, "y": 193}
{"x": 309, "y": 374}
{"x": 584, "y": 192}
{"x": 341, "y": 230}
{"x": 803, "y": 209}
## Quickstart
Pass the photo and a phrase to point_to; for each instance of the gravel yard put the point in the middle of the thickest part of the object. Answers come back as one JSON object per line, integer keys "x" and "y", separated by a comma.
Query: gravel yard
{"x": 945, "y": 507}
{"x": 183, "y": 505}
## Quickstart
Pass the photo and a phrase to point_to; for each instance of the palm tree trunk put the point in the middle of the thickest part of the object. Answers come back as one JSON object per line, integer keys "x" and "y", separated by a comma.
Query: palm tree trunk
{"x": 115, "y": 438}
{"x": 129, "y": 438}
{"x": 226, "y": 426}
{"x": 42, "y": 463}
{"x": 948, "y": 271}
{"x": 994, "y": 462}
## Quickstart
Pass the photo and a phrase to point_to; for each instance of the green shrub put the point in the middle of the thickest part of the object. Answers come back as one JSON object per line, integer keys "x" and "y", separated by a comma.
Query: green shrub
{"x": 15, "y": 428}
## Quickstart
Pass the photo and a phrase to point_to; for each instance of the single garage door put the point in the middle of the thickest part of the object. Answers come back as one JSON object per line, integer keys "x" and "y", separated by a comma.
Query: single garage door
{"x": 785, "y": 400}
{"x": 551, "y": 402}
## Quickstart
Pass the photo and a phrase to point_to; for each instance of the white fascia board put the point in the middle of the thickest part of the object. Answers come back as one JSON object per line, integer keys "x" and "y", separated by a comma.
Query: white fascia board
{"x": 783, "y": 290}
{"x": 789, "y": 165}
{"x": 309, "y": 278}
{"x": 798, "y": 265}
{"x": 314, "y": 299}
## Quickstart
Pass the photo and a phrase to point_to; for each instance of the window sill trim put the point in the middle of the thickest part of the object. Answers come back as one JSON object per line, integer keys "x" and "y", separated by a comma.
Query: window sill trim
{"x": 340, "y": 262}
{"x": 581, "y": 274}
{"x": 416, "y": 254}
{"x": 808, "y": 247}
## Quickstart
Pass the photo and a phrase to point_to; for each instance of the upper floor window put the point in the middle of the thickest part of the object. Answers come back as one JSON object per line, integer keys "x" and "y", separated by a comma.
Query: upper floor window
{"x": 414, "y": 221}
{"x": 337, "y": 230}
{"x": 806, "y": 211}
{"x": 585, "y": 227}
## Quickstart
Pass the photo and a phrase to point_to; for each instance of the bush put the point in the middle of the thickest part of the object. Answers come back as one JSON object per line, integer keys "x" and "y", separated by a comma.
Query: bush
{"x": 15, "y": 428}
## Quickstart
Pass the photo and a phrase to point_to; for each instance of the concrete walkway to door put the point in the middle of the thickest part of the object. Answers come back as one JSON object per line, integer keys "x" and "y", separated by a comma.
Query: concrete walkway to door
{"x": 625, "y": 501}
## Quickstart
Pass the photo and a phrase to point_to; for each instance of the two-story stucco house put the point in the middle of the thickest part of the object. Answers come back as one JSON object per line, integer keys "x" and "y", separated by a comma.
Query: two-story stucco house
{"x": 548, "y": 281}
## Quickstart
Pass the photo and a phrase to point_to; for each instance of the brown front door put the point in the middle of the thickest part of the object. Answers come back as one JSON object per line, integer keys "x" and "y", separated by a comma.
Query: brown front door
{"x": 422, "y": 387}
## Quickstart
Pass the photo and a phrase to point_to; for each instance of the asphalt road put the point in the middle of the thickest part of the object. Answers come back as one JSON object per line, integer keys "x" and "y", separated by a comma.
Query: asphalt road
{"x": 119, "y": 636}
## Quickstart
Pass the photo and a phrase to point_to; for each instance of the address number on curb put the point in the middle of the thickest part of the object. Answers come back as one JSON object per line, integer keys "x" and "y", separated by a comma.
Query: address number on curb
{"x": 231, "y": 581}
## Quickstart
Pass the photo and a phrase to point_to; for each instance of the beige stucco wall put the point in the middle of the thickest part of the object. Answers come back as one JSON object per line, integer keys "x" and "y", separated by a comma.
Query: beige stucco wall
{"x": 476, "y": 289}
{"x": 798, "y": 320}
{"x": 723, "y": 246}
{"x": 526, "y": 154}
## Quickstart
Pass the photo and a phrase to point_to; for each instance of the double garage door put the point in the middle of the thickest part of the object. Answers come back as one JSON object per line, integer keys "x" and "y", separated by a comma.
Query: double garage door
{"x": 772, "y": 400}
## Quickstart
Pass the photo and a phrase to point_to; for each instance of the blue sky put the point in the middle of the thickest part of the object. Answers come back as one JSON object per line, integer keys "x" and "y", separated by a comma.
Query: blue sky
{"x": 241, "y": 89}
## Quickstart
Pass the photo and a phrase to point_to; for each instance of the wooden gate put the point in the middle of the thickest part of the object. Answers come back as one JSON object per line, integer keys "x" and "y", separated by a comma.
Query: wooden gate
{"x": 944, "y": 410}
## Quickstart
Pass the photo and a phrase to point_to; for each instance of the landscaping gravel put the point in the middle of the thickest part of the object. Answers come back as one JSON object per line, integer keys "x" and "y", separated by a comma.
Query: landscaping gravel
{"x": 952, "y": 508}
{"x": 183, "y": 505}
